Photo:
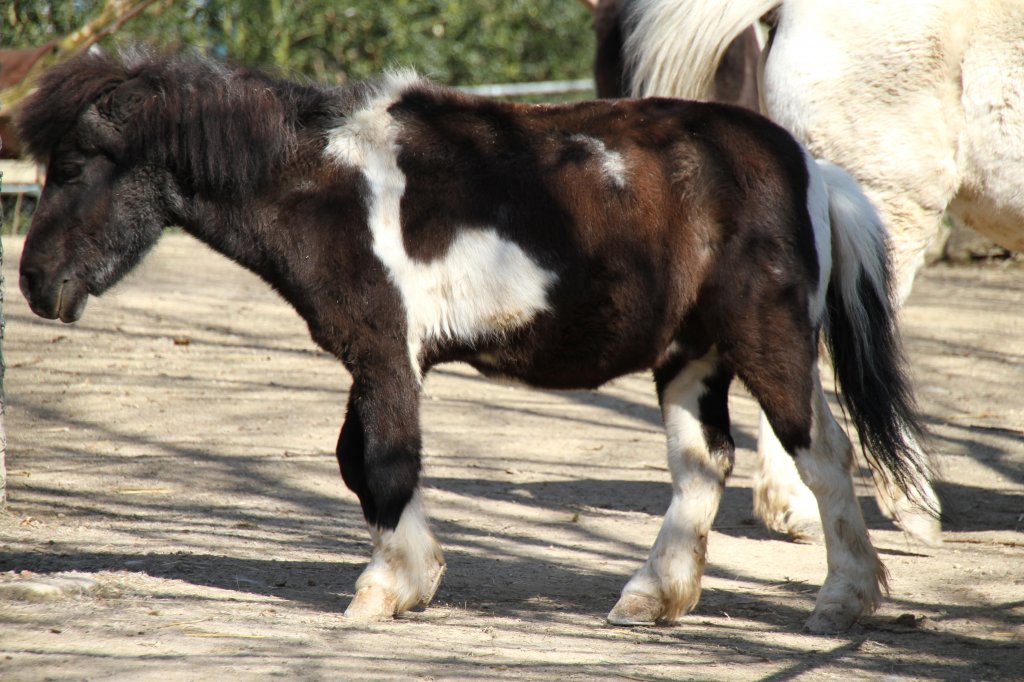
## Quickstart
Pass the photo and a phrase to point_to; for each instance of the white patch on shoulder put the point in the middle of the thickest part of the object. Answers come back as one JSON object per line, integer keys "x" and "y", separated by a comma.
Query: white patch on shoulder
{"x": 613, "y": 166}
{"x": 484, "y": 285}
{"x": 366, "y": 133}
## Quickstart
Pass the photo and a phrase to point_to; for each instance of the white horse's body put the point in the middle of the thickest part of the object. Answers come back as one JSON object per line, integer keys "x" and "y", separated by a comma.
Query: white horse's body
{"x": 921, "y": 100}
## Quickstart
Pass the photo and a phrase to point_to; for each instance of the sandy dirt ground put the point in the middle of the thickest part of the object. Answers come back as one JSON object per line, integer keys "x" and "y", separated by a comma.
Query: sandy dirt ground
{"x": 175, "y": 448}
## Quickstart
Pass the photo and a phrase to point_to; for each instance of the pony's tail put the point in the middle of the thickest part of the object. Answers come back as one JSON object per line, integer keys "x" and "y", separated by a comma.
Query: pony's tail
{"x": 864, "y": 343}
{"x": 673, "y": 47}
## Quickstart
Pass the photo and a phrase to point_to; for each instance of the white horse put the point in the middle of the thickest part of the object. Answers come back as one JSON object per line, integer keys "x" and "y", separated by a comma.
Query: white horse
{"x": 921, "y": 100}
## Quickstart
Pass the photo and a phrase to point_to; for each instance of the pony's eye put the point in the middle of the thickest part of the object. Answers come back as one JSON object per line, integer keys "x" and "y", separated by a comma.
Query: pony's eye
{"x": 67, "y": 172}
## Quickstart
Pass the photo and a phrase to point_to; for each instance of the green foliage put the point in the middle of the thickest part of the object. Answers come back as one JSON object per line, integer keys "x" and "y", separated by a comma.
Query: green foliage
{"x": 453, "y": 41}
{"x": 28, "y": 23}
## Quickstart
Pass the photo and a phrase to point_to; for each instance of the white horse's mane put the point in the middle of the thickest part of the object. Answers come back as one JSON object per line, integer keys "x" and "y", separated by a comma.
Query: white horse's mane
{"x": 656, "y": 29}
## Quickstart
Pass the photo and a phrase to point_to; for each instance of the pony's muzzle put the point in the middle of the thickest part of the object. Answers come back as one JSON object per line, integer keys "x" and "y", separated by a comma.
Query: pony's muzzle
{"x": 53, "y": 299}
{"x": 30, "y": 283}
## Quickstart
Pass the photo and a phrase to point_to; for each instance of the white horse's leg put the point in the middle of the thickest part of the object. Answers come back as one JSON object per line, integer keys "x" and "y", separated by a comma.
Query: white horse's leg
{"x": 856, "y": 577}
{"x": 918, "y": 516}
{"x": 912, "y": 227}
{"x": 700, "y": 457}
{"x": 781, "y": 500}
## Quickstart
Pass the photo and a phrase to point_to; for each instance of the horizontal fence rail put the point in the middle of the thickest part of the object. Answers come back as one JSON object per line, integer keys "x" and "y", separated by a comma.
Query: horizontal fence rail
{"x": 539, "y": 88}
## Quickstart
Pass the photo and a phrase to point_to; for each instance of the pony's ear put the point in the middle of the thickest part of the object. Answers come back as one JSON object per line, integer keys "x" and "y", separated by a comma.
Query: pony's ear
{"x": 124, "y": 101}
{"x": 109, "y": 115}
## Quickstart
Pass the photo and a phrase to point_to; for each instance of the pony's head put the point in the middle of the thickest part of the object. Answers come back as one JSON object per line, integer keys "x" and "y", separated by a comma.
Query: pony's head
{"x": 129, "y": 141}
{"x": 100, "y": 210}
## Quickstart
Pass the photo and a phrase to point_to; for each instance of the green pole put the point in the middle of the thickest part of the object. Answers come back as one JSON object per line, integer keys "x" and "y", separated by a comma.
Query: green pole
{"x": 3, "y": 368}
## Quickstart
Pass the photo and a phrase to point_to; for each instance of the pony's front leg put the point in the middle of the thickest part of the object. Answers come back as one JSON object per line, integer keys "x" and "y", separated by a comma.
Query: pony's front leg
{"x": 700, "y": 457}
{"x": 379, "y": 455}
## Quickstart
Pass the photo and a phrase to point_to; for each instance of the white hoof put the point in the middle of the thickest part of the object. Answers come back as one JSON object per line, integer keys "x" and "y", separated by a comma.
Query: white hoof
{"x": 802, "y": 530}
{"x": 636, "y": 609}
{"x": 791, "y": 510}
{"x": 925, "y": 529}
{"x": 372, "y": 603}
{"x": 793, "y": 521}
{"x": 375, "y": 602}
{"x": 832, "y": 618}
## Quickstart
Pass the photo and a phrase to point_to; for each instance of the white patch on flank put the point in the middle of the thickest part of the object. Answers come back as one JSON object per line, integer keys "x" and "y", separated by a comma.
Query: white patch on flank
{"x": 484, "y": 285}
{"x": 613, "y": 166}
{"x": 406, "y": 561}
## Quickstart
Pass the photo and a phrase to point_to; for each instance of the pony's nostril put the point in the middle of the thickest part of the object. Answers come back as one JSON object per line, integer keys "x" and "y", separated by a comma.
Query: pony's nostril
{"x": 27, "y": 281}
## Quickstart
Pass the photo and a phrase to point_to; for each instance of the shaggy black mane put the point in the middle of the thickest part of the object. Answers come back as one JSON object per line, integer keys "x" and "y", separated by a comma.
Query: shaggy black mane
{"x": 220, "y": 130}
{"x": 62, "y": 93}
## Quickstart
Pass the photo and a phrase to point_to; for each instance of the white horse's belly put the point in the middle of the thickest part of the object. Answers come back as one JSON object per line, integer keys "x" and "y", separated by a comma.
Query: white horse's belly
{"x": 991, "y": 158}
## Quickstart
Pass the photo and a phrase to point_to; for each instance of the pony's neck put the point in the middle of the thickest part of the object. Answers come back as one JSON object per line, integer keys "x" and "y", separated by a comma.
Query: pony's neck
{"x": 237, "y": 229}
{"x": 255, "y": 222}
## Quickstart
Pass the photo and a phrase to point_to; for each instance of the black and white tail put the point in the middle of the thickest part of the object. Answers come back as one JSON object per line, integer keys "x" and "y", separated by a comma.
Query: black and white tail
{"x": 864, "y": 343}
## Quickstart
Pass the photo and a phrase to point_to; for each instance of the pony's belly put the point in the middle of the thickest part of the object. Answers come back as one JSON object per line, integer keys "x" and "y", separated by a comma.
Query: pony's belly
{"x": 554, "y": 368}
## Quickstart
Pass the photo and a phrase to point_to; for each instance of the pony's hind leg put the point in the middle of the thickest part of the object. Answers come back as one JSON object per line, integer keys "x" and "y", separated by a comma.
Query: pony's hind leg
{"x": 786, "y": 505}
{"x": 694, "y": 408}
{"x": 781, "y": 500}
{"x": 856, "y": 577}
{"x": 783, "y": 378}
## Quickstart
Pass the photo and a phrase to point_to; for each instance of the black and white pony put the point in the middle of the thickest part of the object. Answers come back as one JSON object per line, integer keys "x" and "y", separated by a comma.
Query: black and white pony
{"x": 563, "y": 246}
